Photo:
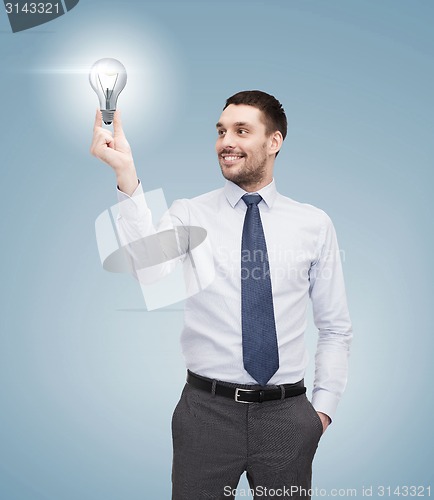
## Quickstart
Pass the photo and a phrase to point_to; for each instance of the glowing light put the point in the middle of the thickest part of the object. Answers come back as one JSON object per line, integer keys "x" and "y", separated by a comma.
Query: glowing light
{"x": 108, "y": 78}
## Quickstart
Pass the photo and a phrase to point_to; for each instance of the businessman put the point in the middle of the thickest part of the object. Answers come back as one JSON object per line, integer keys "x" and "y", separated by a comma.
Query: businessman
{"x": 244, "y": 406}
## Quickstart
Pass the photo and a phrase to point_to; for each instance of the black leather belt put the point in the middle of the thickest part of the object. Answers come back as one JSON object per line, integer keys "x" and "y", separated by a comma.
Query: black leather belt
{"x": 242, "y": 395}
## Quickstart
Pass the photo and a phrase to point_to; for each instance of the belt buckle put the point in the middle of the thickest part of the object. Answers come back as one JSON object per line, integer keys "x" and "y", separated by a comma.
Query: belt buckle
{"x": 237, "y": 393}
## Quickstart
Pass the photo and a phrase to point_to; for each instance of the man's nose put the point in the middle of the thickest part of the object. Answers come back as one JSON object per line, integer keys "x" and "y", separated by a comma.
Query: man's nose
{"x": 228, "y": 140}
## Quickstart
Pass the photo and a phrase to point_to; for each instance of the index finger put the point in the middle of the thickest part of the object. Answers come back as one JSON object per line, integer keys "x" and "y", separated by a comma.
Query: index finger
{"x": 98, "y": 119}
{"x": 117, "y": 124}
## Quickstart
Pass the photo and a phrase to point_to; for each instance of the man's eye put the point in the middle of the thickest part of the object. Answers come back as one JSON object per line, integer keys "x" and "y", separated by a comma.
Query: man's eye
{"x": 242, "y": 131}
{"x": 220, "y": 132}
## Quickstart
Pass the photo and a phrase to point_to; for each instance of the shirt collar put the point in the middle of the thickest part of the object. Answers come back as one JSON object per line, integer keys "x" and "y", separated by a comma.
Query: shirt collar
{"x": 234, "y": 193}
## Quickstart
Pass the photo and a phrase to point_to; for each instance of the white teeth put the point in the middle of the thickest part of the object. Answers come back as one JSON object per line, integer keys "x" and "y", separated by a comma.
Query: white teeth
{"x": 232, "y": 158}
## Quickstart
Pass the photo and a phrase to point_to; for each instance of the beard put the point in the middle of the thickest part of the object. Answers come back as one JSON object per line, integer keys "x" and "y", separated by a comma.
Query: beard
{"x": 251, "y": 172}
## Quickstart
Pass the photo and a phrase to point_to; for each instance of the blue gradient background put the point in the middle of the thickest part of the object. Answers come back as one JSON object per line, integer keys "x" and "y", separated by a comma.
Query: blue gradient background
{"x": 89, "y": 378}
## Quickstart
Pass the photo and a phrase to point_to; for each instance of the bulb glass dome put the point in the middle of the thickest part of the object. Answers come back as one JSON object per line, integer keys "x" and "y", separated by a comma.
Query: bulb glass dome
{"x": 108, "y": 78}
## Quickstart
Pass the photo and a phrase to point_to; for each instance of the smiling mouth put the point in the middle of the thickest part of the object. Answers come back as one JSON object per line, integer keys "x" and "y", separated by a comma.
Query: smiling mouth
{"x": 231, "y": 158}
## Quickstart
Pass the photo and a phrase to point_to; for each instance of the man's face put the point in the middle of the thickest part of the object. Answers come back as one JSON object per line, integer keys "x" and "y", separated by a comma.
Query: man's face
{"x": 243, "y": 146}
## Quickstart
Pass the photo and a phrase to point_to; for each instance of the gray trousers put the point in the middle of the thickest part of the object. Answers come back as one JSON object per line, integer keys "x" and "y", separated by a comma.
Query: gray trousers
{"x": 216, "y": 439}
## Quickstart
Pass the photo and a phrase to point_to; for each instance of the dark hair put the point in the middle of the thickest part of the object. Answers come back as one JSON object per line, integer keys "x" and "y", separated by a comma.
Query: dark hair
{"x": 272, "y": 111}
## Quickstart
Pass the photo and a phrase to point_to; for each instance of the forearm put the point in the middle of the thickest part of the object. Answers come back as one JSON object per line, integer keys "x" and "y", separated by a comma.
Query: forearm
{"x": 126, "y": 179}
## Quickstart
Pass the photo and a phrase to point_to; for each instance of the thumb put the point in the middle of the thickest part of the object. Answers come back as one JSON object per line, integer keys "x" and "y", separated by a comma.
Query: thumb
{"x": 98, "y": 120}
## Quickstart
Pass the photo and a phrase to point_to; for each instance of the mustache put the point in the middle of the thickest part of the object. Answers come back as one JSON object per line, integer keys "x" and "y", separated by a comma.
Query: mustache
{"x": 231, "y": 152}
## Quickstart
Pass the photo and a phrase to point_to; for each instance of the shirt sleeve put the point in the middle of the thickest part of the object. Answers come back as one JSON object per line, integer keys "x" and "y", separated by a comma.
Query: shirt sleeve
{"x": 134, "y": 219}
{"x": 331, "y": 317}
{"x": 153, "y": 251}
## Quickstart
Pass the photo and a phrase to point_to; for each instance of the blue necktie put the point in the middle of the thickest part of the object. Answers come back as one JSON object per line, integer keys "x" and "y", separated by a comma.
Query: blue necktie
{"x": 260, "y": 351}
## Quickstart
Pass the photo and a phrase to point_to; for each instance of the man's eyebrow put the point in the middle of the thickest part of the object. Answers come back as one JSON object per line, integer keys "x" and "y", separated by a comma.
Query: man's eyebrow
{"x": 242, "y": 124}
{"x": 236, "y": 124}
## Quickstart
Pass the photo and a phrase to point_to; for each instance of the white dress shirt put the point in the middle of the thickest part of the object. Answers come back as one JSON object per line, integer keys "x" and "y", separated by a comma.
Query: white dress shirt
{"x": 304, "y": 263}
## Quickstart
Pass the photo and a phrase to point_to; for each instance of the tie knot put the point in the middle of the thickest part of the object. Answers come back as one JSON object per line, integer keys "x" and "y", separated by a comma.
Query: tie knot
{"x": 252, "y": 199}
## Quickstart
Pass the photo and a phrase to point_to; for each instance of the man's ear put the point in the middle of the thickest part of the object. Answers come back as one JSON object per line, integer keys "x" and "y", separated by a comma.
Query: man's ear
{"x": 275, "y": 142}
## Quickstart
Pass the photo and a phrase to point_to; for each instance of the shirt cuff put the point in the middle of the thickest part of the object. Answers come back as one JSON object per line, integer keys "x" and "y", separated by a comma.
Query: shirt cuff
{"x": 325, "y": 402}
{"x": 130, "y": 206}
{"x": 124, "y": 196}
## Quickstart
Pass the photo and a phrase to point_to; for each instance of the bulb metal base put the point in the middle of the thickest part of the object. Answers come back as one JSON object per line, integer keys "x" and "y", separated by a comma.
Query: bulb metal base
{"x": 108, "y": 115}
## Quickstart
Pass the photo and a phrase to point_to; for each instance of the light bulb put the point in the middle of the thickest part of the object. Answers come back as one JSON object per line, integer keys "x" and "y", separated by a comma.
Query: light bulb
{"x": 108, "y": 78}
